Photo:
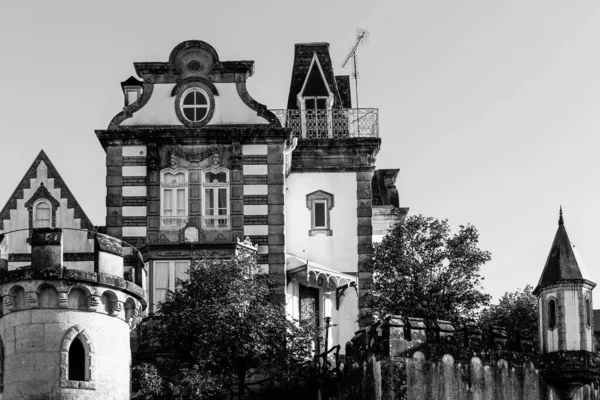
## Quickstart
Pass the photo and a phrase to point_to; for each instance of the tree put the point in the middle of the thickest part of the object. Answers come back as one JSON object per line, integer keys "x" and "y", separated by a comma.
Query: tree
{"x": 218, "y": 326}
{"x": 420, "y": 270}
{"x": 516, "y": 312}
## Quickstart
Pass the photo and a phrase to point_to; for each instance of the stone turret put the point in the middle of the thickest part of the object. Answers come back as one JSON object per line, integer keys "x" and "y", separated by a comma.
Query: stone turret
{"x": 65, "y": 331}
{"x": 566, "y": 325}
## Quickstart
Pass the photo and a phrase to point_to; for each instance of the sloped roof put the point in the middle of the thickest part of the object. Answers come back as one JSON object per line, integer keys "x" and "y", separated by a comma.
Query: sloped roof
{"x": 303, "y": 56}
{"x": 562, "y": 263}
{"x": 65, "y": 193}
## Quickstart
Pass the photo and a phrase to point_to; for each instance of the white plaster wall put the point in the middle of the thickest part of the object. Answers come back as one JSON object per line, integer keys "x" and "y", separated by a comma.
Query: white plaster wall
{"x": 229, "y": 108}
{"x": 572, "y": 319}
{"x": 73, "y": 241}
{"x": 338, "y": 251}
{"x": 551, "y": 336}
{"x": 346, "y": 318}
{"x": 32, "y": 342}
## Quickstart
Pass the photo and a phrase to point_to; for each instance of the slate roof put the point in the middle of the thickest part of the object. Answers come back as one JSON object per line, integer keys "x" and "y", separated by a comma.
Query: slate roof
{"x": 303, "y": 55}
{"x": 131, "y": 81}
{"x": 65, "y": 193}
{"x": 562, "y": 263}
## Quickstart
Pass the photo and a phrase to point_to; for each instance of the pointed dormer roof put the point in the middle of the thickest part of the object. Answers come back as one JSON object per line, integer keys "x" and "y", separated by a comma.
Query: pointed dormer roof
{"x": 43, "y": 165}
{"x": 304, "y": 54}
{"x": 562, "y": 263}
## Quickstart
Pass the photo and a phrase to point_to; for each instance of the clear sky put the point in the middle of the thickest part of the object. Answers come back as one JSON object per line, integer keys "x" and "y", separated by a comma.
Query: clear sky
{"x": 489, "y": 109}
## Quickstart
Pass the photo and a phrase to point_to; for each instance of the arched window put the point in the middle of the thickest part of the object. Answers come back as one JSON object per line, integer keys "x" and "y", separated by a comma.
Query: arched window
{"x": 42, "y": 215}
{"x": 78, "y": 300}
{"x": 588, "y": 313}
{"x": 77, "y": 359}
{"x": 17, "y": 298}
{"x": 77, "y": 367}
{"x": 194, "y": 104}
{"x": 110, "y": 301}
{"x": 48, "y": 296}
{"x": 551, "y": 314}
{"x": 130, "y": 310}
{"x": 216, "y": 199}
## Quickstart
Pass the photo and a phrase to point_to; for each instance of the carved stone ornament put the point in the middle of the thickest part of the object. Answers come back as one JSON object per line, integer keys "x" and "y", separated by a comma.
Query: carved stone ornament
{"x": 193, "y": 156}
{"x": 191, "y": 234}
{"x": 246, "y": 242}
{"x": 195, "y": 65}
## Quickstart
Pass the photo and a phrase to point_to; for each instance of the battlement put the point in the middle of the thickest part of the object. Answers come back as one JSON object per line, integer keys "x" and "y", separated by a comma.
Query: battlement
{"x": 395, "y": 336}
{"x": 105, "y": 259}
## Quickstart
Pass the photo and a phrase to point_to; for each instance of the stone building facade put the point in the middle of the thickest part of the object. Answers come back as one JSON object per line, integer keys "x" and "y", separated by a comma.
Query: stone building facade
{"x": 194, "y": 166}
{"x": 68, "y": 302}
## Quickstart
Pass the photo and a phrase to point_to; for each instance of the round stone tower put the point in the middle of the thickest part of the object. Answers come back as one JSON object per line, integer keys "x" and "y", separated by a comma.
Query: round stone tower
{"x": 66, "y": 318}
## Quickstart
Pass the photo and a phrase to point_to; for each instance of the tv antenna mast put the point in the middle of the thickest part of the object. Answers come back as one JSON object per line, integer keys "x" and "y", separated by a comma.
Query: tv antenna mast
{"x": 362, "y": 39}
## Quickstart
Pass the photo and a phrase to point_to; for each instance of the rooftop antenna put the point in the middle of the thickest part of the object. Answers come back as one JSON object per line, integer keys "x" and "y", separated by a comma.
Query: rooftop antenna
{"x": 362, "y": 39}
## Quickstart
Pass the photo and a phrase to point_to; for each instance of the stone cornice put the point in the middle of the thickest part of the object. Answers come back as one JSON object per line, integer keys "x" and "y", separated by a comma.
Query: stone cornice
{"x": 75, "y": 275}
{"x": 335, "y": 155}
{"x": 221, "y": 72}
{"x": 208, "y": 134}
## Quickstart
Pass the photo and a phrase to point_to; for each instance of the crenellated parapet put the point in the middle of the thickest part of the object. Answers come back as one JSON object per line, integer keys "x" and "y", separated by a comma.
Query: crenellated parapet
{"x": 65, "y": 325}
{"x": 398, "y": 337}
{"x": 410, "y": 358}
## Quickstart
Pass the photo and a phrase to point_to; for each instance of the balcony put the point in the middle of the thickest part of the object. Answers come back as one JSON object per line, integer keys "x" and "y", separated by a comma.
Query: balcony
{"x": 209, "y": 222}
{"x": 216, "y": 222}
{"x": 172, "y": 223}
{"x": 332, "y": 124}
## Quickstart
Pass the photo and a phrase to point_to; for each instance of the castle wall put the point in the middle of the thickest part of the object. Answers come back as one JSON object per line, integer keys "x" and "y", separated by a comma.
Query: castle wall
{"x": 417, "y": 378}
{"x": 33, "y": 348}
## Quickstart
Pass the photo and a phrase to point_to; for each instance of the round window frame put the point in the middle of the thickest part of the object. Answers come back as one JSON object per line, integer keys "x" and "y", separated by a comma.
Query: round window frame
{"x": 183, "y": 89}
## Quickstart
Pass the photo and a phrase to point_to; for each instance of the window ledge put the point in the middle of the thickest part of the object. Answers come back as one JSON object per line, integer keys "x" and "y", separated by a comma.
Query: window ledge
{"x": 326, "y": 232}
{"x": 88, "y": 385}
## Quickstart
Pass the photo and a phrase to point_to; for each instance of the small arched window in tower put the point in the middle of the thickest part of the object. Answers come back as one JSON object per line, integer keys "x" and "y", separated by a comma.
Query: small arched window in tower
{"x": 551, "y": 314}
{"x": 588, "y": 313}
{"x": 42, "y": 215}
{"x": 76, "y": 361}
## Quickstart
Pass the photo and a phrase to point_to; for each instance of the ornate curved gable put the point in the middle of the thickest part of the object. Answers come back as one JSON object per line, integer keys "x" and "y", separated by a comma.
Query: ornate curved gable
{"x": 193, "y": 65}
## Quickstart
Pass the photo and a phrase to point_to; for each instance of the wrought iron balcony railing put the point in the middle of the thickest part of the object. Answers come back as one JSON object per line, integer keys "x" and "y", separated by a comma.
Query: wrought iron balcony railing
{"x": 216, "y": 222}
{"x": 334, "y": 124}
{"x": 172, "y": 223}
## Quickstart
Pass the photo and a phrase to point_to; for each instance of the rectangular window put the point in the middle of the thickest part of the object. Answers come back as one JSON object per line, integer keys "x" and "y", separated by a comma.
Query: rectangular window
{"x": 164, "y": 279}
{"x": 320, "y": 215}
{"x": 216, "y": 200}
{"x": 320, "y": 204}
{"x": 174, "y": 200}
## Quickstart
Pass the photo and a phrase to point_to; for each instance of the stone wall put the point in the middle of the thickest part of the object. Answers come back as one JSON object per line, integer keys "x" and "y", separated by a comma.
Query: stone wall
{"x": 34, "y": 354}
{"x": 407, "y": 359}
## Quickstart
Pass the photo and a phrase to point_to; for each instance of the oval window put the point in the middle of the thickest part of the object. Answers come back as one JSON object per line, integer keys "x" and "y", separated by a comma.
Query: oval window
{"x": 194, "y": 105}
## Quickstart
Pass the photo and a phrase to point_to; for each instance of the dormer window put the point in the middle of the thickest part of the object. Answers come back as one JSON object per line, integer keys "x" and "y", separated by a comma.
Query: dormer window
{"x": 194, "y": 105}
{"x": 42, "y": 214}
{"x": 132, "y": 89}
{"x": 315, "y": 100}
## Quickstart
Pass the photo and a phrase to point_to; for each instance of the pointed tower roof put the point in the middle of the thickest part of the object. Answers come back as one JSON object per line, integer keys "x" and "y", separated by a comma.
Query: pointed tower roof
{"x": 562, "y": 263}
{"x": 65, "y": 193}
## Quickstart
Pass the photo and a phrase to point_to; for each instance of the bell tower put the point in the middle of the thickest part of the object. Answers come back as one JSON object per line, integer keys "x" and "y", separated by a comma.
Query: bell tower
{"x": 566, "y": 325}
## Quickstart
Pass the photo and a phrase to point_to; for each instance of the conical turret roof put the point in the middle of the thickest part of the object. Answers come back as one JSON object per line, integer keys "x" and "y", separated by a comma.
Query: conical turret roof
{"x": 562, "y": 263}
